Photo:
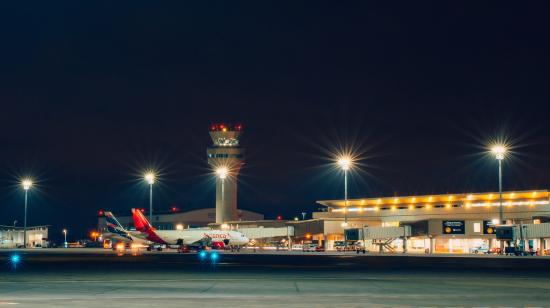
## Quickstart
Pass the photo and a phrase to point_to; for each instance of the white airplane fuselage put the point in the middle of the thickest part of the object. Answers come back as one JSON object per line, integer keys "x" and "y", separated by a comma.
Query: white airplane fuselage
{"x": 193, "y": 236}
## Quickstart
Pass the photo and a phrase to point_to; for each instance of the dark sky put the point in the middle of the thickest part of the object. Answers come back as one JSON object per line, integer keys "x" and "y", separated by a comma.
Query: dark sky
{"x": 92, "y": 93}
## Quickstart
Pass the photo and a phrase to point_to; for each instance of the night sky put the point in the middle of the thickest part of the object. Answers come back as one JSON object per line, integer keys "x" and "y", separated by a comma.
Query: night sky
{"x": 93, "y": 93}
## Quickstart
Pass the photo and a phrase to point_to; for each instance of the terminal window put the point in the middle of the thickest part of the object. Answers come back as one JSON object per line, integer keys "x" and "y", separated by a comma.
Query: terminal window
{"x": 477, "y": 227}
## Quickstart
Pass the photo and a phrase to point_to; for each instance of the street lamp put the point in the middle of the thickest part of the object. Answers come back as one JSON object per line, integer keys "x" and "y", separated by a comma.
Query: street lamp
{"x": 345, "y": 164}
{"x": 499, "y": 151}
{"x": 150, "y": 179}
{"x": 65, "y": 234}
{"x": 94, "y": 235}
{"x": 222, "y": 174}
{"x": 27, "y": 183}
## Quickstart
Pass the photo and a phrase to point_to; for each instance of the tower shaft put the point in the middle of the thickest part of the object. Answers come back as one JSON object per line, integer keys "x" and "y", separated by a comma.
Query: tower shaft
{"x": 226, "y": 200}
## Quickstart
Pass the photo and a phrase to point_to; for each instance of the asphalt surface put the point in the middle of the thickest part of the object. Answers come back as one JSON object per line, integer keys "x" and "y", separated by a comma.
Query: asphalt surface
{"x": 99, "y": 278}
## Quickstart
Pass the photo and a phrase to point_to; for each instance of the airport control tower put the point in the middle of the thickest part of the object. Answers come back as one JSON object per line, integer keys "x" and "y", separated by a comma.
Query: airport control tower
{"x": 225, "y": 157}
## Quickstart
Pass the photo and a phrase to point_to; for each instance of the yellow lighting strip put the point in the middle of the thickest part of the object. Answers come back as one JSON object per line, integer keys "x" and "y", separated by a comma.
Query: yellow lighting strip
{"x": 483, "y": 204}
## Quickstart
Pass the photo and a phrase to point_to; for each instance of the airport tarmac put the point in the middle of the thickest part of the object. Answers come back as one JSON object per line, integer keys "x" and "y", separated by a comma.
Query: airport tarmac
{"x": 264, "y": 251}
{"x": 92, "y": 278}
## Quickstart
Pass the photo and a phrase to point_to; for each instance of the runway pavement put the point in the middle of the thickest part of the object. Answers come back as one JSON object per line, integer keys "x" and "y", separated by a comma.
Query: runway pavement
{"x": 98, "y": 278}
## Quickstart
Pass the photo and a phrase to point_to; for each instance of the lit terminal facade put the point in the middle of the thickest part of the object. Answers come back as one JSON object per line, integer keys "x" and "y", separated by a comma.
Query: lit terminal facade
{"x": 450, "y": 223}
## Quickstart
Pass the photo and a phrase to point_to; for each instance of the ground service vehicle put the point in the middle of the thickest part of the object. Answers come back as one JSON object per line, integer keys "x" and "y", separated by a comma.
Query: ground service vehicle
{"x": 480, "y": 249}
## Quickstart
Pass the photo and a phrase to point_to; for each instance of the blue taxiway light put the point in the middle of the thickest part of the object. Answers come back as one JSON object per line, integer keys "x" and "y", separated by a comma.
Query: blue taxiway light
{"x": 214, "y": 256}
{"x": 15, "y": 259}
{"x": 202, "y": 254}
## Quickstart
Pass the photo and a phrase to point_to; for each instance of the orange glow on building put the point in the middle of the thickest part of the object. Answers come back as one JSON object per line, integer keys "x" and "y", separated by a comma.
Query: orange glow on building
{"x": 468, "y": 200}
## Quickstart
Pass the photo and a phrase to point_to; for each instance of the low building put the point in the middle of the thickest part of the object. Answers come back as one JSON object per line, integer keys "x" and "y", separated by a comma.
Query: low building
{"x": 13, "y": 237}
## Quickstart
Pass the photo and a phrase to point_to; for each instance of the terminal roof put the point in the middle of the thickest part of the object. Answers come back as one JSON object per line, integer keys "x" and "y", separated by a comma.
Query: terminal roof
{"x": 440, "y": 199}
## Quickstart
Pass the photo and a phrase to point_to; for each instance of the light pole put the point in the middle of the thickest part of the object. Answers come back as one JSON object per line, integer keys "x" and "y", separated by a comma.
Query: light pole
{"x": 304, "y": 215}
{"x": 26, "y": 186}
{"x": 65, "y": 234}
{"x": 345, "y": 165}
{"x": 499, "y": 151}
{"x": 150, "y": 178}
{"x": 222, "y": 174}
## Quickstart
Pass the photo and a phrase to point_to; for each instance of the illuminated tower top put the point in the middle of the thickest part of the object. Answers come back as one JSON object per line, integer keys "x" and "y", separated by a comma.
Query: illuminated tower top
{"x": 225, "y": 135}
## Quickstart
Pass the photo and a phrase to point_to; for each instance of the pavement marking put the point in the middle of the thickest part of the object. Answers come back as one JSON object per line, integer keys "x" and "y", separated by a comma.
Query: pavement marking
{"x": 296, "y": 287}
{"x": 209, "y": 288}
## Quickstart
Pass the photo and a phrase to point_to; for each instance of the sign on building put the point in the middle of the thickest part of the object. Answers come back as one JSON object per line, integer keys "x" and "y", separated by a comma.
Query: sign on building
{"x": 453, "y": 227}
{"x": 488, "y": 227}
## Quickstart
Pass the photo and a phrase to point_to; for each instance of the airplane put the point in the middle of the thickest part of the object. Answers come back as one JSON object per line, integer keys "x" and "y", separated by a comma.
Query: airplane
{"x": 116, "y": 231}
{"x": 199, "y": 238}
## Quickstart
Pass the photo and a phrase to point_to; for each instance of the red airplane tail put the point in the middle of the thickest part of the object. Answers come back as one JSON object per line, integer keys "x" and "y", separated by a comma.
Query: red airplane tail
{"x": 142, "y": 225}
{"x": 140, "y": 222}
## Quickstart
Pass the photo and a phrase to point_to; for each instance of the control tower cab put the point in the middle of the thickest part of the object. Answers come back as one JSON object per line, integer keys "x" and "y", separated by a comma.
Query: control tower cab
{"x": 225, "y": 157}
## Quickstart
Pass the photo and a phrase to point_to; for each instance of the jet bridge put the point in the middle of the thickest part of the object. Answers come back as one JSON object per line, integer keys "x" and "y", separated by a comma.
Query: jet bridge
{"x": 379, "y": 236}
{"x": 260, "y": 232}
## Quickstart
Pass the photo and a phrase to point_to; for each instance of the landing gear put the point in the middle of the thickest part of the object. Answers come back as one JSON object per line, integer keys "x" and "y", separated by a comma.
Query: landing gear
{"x": 183, "y": 249}
{"x": 153, "y": 247}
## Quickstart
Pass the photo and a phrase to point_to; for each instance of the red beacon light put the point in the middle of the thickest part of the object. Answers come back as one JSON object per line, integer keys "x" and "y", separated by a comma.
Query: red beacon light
{"x": 100, "y": 213}
{"x": 222, "y": 127}
{"x": 279, "y": 217}
{"x": 174, "y": 209}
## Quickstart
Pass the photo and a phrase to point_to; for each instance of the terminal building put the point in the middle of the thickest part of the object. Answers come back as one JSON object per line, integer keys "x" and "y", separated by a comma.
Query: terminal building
{"x": 451, "y": 223}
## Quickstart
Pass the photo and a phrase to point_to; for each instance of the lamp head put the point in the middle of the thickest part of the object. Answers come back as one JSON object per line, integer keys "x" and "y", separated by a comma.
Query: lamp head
{"x": 150, "y": 178}
{"x": 499, "y": 151}
{"x": 222, "y": 172}
{"x": 26, "y": 184}
{"x": 345, "y": 163}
